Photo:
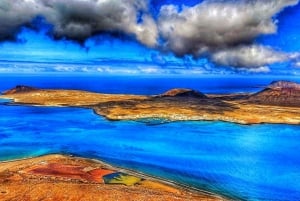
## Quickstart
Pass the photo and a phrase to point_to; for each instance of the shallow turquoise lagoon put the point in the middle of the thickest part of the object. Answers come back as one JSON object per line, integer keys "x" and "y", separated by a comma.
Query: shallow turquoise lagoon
{"x": 257, "y": 162}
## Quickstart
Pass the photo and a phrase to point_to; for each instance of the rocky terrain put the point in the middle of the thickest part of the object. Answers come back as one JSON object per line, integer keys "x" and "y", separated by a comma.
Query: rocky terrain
{"x": 58, "y": 177}
{"x": 280, "y": 100}
{"x": 19, "y": 89}
{"x": 281, "y": 93}
{"x": 183, "y": 93}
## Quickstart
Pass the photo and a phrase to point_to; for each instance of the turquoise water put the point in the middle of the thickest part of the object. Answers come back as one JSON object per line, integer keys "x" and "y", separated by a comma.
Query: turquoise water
{"x": 258, "y": 162}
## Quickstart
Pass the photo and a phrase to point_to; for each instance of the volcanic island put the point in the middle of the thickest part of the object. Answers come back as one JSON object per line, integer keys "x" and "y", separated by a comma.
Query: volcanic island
{"x": 278, "y": 103}
{"x": 63, "y": 177}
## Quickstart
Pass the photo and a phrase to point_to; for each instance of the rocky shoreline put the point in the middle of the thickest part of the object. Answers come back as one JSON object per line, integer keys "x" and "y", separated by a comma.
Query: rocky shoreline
{"x": 279, "y": 103}
{"x": 61, "y": 177}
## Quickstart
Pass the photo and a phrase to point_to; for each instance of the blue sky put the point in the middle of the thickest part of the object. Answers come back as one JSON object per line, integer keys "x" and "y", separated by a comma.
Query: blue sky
{"x": 151, "y": 37}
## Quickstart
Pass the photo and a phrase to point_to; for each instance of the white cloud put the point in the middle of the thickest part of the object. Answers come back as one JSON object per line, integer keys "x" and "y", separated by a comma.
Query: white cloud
{"x": 215, "y": 24}
{"x": 221, "y": 30}
{"x": 150, "y": 69}
{"x": 262, "y": 69}
{"x": 297, "y": 64}
{"x": 64, "y": 68}
{"x": 251, "y": 56}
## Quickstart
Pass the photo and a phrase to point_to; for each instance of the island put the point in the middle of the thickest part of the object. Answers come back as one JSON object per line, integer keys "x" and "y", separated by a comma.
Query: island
{"x": 278, "y": 103}
{"x": 67, "y": 177}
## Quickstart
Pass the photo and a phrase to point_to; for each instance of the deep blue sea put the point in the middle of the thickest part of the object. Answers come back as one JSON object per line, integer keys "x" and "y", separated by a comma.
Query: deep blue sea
{"x": 244, "y": 162}
{"x": 147, "y": 85}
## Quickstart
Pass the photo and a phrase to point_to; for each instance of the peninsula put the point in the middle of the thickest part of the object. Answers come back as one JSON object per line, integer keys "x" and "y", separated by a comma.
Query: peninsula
{"x": 60, "y": 177}
{"x": 278, "y": 103}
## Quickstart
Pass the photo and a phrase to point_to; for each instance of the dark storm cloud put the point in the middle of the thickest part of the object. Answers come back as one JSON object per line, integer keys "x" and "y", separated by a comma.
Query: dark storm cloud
{"x": 80, "y": 19}
{"x": 13, "y": 15}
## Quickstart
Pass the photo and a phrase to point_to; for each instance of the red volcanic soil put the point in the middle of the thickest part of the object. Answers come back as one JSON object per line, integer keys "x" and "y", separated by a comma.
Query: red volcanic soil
{"x": 183, "y": 93}
{"x": 281, "y": 93}
{"x": 70, "y": 172}
{"x": 65, "y": 178}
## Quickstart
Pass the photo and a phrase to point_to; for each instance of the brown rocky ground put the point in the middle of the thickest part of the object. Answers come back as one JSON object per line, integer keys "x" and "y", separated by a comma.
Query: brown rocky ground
{"x": 267, "y": 106}
{"x": 64, "y": 97}
{"x": 281, "y": 93}
{"x": 65, "y": 178}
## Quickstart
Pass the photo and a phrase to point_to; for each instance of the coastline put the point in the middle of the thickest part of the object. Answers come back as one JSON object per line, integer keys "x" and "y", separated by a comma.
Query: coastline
{"x": 146, "y": 109}
{"x": 51, "y": 173}
{"x": 178, "y": 108}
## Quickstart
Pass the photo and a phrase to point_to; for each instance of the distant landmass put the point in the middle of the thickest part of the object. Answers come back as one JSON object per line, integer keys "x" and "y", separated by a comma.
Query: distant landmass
{"x": 183, "y": 93}
{"x": 19, "y": 89}
{"x": 282, "y": 93}
{"x": 279, "y": 102}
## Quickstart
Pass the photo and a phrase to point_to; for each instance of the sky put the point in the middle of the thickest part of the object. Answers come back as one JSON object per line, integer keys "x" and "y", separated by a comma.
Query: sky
{"x": 205, "y": 37}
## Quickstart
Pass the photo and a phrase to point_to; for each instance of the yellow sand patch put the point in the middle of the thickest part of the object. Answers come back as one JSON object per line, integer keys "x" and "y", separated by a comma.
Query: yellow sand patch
{"x": 159, "y": 186}
{"x": 121, "y": 178}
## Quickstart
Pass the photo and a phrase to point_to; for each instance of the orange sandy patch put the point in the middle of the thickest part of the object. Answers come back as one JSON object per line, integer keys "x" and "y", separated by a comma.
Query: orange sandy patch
{"x": 97, "y": 174}
{"x": 155, "y": 185}
{"x": 69, "y": 171}
{"x": 64, "y": 178}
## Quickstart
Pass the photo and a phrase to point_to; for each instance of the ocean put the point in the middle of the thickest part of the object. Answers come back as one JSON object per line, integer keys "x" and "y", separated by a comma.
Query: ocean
{"x": 145, "y": 85}
{"x": 243, "y": 162}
